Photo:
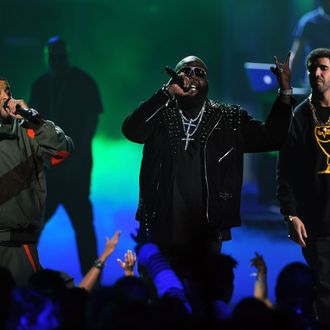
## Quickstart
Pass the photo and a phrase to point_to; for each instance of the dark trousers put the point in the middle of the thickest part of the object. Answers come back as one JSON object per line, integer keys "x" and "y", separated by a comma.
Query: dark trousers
{"x": 80, "y": 211}
{"x": 21, "y": 259}
{"x": 317, "y": 255}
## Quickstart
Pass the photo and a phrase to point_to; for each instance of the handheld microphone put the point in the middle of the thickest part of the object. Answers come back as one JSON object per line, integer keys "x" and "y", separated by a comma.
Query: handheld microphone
{"x": 28, "y": 114}
{"x": 176, "y": 78}
{"x": 25, "y": 113}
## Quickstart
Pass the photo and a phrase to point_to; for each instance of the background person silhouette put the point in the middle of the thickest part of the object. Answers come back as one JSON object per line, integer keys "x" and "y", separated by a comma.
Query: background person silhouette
{"x": 71, "y": 97}
{"x": 312, "y": 31}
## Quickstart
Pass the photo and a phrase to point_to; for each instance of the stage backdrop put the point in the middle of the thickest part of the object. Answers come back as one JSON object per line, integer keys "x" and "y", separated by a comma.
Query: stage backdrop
{"x": 125, "y": 45}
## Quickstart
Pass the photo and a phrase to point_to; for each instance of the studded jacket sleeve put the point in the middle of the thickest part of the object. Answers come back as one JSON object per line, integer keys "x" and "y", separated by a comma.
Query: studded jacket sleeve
{"x": 271, "y": 134}
{"x": 140, "y": 125}
{"x": 285, "y": 193}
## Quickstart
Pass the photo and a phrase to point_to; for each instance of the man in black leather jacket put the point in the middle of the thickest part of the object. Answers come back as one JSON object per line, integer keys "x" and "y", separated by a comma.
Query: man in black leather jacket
{"x": 192, "y": 167}
{"x": 192, "y": 170}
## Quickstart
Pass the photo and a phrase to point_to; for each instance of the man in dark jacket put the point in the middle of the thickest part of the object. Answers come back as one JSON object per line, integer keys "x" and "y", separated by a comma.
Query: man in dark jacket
{"x": 25, "y": 146}
{"x": 304, "y": 180}
{"x": 192, "y": 166}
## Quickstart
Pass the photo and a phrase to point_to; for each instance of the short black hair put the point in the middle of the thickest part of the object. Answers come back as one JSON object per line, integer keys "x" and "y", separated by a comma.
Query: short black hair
{"x": 317, "y": 53}
{"x": 3, "y": 78}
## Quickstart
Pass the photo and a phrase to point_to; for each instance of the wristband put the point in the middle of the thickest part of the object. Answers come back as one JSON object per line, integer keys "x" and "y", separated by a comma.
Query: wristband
{"x": 166, "y": 92}
{"x": 285, "y": 92}
{"x": 98, "y": 264}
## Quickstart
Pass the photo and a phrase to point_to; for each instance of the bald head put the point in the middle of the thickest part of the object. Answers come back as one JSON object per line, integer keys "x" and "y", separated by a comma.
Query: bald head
{"x": 191, "y": 61}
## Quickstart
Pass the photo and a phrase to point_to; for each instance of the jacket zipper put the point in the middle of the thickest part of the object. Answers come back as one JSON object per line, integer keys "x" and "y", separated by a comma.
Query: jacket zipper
{"x": 154, "y": 114}
{"x": 207, "y": 185}
{"x": 226, "y": 154}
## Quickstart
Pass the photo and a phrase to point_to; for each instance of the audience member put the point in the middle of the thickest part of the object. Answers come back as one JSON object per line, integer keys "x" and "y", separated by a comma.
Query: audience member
{"x": 294, "y": 290}
{"x": 33, "y": 310}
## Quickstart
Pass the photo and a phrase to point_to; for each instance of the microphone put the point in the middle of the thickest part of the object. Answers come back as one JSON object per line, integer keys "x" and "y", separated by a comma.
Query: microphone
{"x": 175, "y": 77}
{"x": 28, "y": 114}
{"x": 25, "y": 113}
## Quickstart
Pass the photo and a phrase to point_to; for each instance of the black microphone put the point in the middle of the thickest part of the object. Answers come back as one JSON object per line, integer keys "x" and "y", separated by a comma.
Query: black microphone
{"x": 176, "y": 78}
{"x": 28, "y": 114}
{"x": 25, "y": 113}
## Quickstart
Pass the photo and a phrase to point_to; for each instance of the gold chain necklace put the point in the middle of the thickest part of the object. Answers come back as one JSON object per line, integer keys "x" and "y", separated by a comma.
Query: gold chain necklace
{"x": 315, "y": 116}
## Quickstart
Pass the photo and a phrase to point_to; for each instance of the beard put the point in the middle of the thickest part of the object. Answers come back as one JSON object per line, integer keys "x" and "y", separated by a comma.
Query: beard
{"x": 190, "y": 101}
{"x": 320, "y": 89}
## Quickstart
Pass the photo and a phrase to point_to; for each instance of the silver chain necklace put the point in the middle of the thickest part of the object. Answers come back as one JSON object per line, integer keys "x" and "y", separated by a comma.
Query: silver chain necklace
{"x": 188, "y": 124}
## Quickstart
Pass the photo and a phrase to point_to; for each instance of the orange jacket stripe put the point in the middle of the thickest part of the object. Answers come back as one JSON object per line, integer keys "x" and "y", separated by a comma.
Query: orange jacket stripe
{"x": 59, "y": 157}
{"x": 29, "y": 255}
{"x": 30, "y": 133}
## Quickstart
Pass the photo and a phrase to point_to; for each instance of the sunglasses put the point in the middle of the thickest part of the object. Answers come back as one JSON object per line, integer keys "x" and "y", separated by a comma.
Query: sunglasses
{"x": 198, "y": 72}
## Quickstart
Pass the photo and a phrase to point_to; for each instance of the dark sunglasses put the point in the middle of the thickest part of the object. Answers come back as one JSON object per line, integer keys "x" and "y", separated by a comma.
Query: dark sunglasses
{"x": 188, "y": 70}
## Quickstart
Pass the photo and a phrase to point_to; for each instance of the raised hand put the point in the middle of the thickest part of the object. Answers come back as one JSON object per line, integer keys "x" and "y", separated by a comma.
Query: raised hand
{"x": 129, "y": 263}
{"x": 283, "y": 72}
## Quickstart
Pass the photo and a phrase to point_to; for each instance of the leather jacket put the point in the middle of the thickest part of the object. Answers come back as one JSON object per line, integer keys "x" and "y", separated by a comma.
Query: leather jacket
{"x": 227, "y": 132}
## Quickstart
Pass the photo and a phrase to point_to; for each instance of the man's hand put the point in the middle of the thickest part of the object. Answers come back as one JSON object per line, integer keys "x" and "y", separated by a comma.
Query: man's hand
{"x": 129, "y": 263}
{"x": 110, "y": 245}
{"x": 10, "y": 107}
{"x": 174, "y": 89}
{"x": 297, "y": 231}
{"x": 283, "y": 72}
{"x": 259, "y": 263}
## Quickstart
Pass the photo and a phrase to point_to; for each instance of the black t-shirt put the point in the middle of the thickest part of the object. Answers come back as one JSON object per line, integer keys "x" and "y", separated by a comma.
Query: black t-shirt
{"x": 188, "y": 214}
{"x": 322, "y": 139}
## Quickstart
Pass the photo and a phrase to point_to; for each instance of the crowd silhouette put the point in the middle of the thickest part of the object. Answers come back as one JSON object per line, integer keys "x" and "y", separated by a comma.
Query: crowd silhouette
{"x": 158, "y": 298}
